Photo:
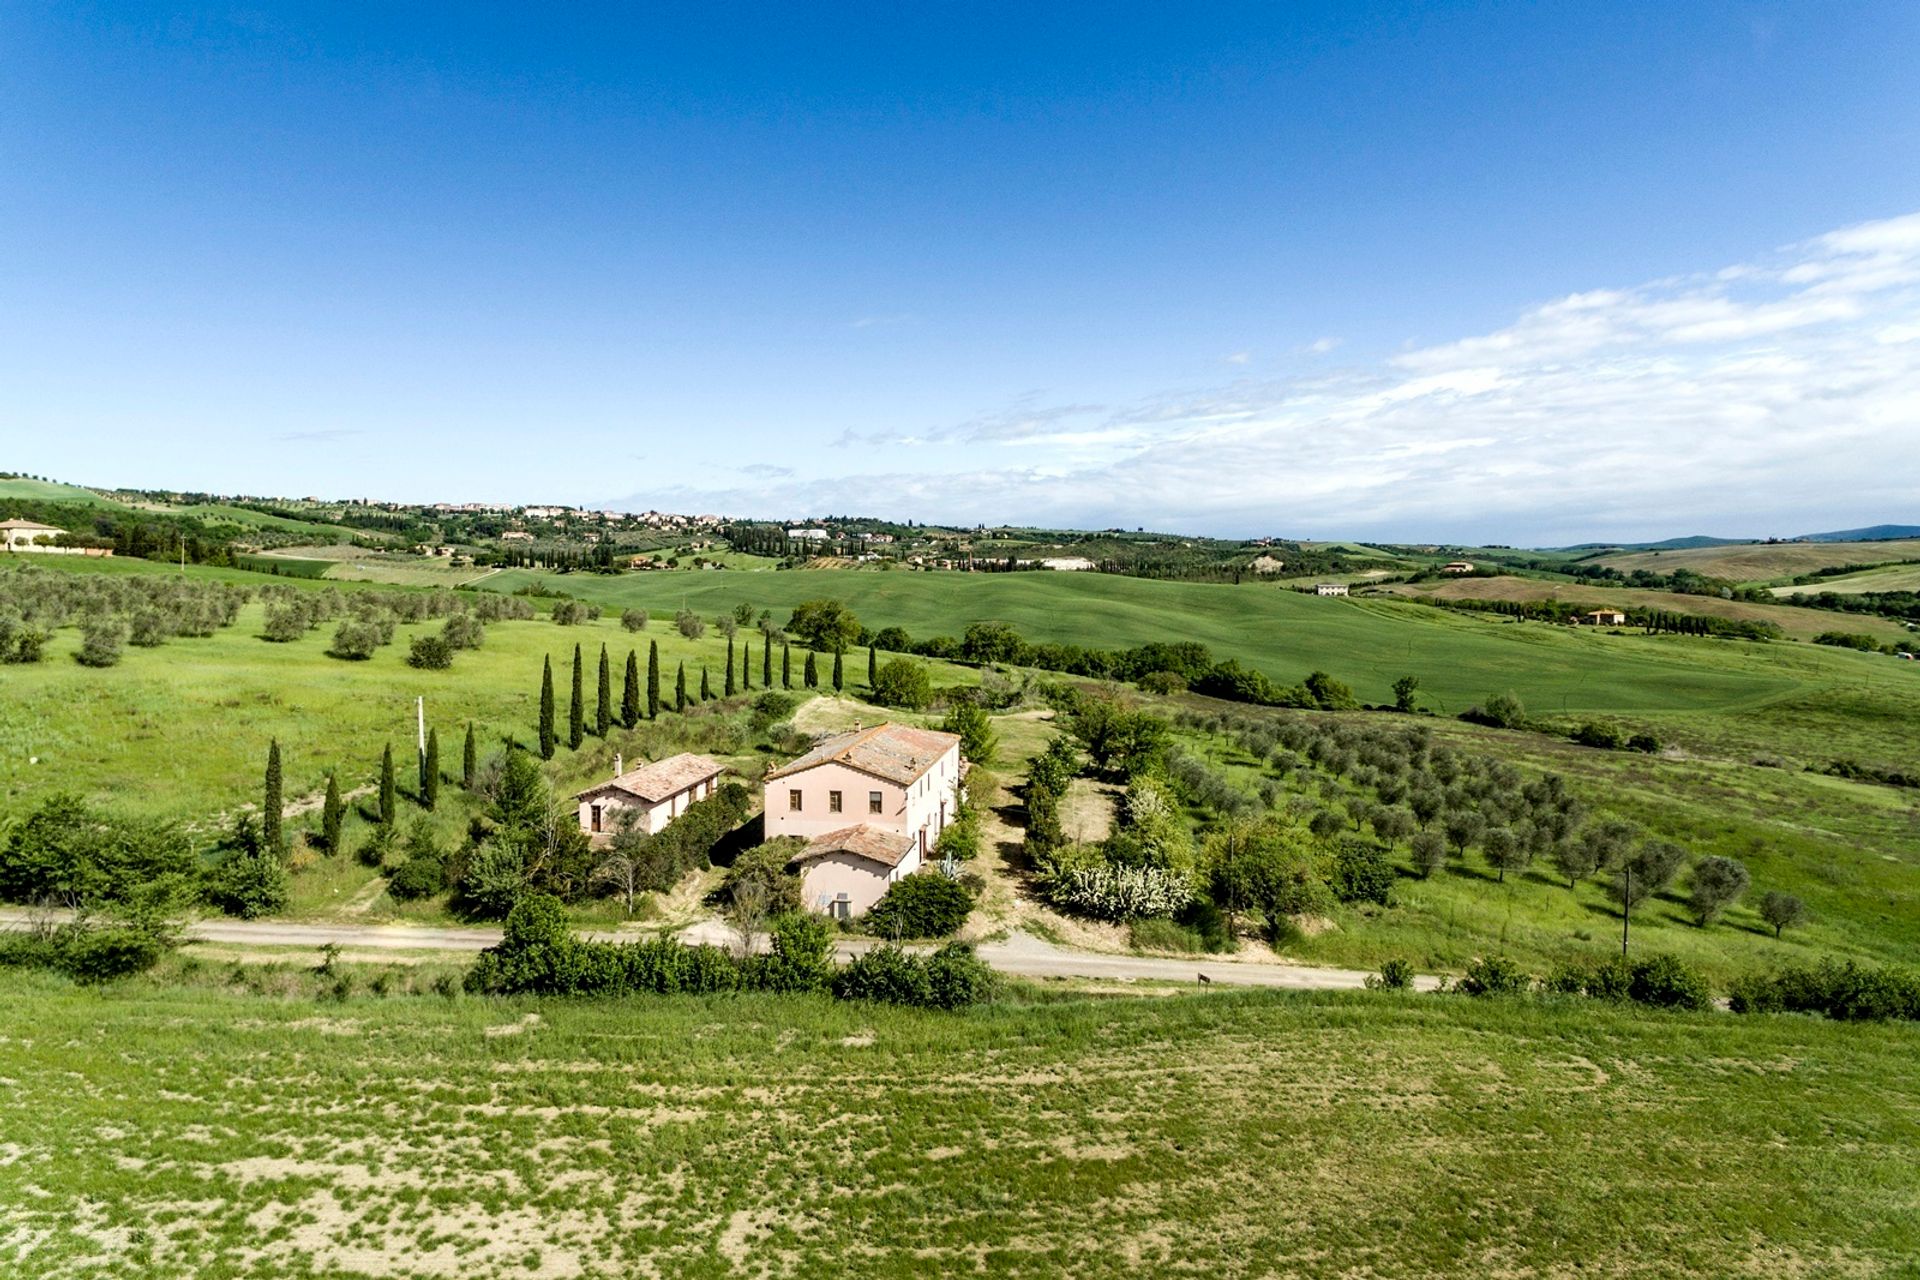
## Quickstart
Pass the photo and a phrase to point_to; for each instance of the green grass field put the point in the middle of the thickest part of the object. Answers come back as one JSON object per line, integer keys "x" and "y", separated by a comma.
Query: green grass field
{"x": 1891, "y": 577}
{"x": 163, "y": 1131}
{"x": 1851, "y": 851}
{"x": 25, "y": 490}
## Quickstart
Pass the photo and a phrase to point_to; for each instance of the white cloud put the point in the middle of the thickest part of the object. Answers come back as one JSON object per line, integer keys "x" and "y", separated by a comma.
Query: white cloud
{"x": 1771, "y": 396}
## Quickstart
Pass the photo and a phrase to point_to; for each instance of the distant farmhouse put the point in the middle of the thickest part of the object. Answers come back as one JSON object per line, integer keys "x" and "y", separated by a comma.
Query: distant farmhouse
{"x": 871, "y": 804}
{"x": 1457, "y": 566}
{"x": 656, "y": 793}
{"x": 1604, "y": 618}
{"x": 31, "y": 535}
{"x": 1330, "y": 589}
{"x": 24, "y": 535}
{"x": 807, "y": 535}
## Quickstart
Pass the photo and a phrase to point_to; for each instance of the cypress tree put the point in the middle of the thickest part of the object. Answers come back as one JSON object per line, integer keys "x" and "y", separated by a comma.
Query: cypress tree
{"x": 730, "y": 686}
{"x": 810, "y": 676}
{"x": 430, "y": 785}
{"x": 546, "y": 710}
{"x": 873, "y": 667}
{"x": 630, "y": 691}
{"x": 387, "y": 794}
{"x": 766, "y": 660}
{"x": 680, "y": 688}
{"x": 837, "y": 677}
{"x": 786, "y": 665}
{"x": 653, "y": 679}
{"x": 332, "y": 812}
{"x": 577, "y": 708}
{"x": 603, "y": 705}
{"x": 469, "y": 761}
{"x": 706, "y": 689}
{"x": 275, "y": 806}
{"x": 746, "y": 666}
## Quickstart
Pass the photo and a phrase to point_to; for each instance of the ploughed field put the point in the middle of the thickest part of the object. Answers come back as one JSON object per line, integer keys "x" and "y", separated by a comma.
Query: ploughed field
{"x": 172, "y": 1131}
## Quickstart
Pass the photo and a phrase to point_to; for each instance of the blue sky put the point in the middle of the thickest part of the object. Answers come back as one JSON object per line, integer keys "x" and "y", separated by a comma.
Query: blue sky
{"x": 1513, "y": 272}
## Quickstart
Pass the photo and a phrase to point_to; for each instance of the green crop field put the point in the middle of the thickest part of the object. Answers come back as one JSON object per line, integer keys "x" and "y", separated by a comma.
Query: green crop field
{"x": 163, "y": 1131}
{"x": 1891, "y": 577}
{"x": 1739, "y": 697}
{"x": 25, "y": 490}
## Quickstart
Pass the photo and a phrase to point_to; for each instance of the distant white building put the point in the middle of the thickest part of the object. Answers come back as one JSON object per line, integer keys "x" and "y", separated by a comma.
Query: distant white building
{"x": 25, "y": 535}
{"x": 807, "y": 535}
{"x": 1330, "y": 589}
{"x": 1070, "y": 564}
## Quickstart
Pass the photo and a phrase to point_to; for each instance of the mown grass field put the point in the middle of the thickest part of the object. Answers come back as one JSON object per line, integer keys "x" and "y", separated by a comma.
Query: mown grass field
{"x": 207, "y": 1133}
{"x": 1892, "y": 577}
{"x": 1764, "y": 562}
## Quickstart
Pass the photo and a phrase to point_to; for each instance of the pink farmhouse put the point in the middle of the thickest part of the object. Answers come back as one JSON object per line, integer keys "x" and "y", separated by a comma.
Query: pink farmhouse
{"x": 870, "y": 804}
{"x": 657, "y": 793}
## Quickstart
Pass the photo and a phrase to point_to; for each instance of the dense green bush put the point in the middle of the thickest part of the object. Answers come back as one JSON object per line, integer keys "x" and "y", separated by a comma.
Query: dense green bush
{"x": 1604, "y": 737}
{"x": 1362, "y": 873}
{"x": 88, "y": 952}
{"x": 1662, "y": 981}
{"x": 904, "y": 683}
{"x": 68, "y": 852}
{"x": 1848, "y": 992}
{"x": 920, "y": 906}
{"x": 951, "y": 978}
{"x": 1394, "y": 975}
{"x": 1495, "y": 975}
{"x": 430, "y": 653}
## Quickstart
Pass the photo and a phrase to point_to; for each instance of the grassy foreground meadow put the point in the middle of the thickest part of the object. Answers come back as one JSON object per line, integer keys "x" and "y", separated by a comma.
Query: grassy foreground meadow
{"x": 168, "y": 1131}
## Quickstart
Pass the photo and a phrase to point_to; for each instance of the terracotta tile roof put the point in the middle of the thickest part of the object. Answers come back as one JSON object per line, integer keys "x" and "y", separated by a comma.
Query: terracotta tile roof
{"x": 662, "y": 778}
{"x": 894, "y": 752}
{"x": 875, "y": 844}
{"x": 27, "y": 524}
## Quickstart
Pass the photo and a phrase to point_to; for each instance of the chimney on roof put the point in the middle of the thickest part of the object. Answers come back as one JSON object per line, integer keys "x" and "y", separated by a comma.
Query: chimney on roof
{"x": 616, "y": 765}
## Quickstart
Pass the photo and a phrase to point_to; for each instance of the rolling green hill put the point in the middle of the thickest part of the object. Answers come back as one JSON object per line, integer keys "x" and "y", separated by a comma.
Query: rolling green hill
{"x": 25, "y": 490}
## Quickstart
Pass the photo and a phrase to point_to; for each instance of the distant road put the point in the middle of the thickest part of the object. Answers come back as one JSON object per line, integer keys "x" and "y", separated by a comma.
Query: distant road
{"x": 1020, "y": 955}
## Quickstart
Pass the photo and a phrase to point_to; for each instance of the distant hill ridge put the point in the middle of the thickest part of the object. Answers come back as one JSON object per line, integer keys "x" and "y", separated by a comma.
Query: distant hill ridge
{"x": 1872, "y": 533}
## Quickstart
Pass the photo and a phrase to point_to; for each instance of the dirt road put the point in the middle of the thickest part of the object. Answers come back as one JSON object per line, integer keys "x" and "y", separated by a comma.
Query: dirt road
{"x": 1020, "y": 954}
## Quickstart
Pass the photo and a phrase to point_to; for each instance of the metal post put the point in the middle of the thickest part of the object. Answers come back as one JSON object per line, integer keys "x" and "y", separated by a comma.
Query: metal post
{"x": 420, "y": 729}
{"x": 1626, "y": 907}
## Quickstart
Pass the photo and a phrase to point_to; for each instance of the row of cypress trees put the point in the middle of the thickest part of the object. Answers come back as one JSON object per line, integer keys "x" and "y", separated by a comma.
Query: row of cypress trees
{"x": 333, "y": 808}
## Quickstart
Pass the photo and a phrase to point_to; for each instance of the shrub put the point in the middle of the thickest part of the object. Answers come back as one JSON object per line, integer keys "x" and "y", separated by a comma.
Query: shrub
{"x": 920, "y": 906}
{"x": 1163, "y": 682}
{"x": 284, "y": 624}
{"x": 634, "y": 619}
{"x": 951, "y": 978}
{"x": 1494, "y": 975}
{"x": 970, "y": 721}
{"x": 430, "y": 653}
{"x": 766, "y": 865}
{"x": 1668, "y": 983}
{"x": 1208, "y": 923}
{"x": 902, "y": 682}
{"x": 802, "y": 955}
{"x": 959, "y": 841}
{"x": 355, "y": 641}
{"x": 1108, "y": 892}
{"x": 1394, "y": 975}
{"x": 770, "y": 708}
{"x": 690, "y": 624}
{"x": 1846, "y": 992}
{"x": 1362, "y": 873}
{"x": 1603, "y": 737}
{"x": 86, "y": 952}
{"x": 887, "y": 974}
{"x": 463, "y": 631}
{"x": 1645, "y": 743}
{"x": 100, "y": 642}
{"x": 249, "y": 882}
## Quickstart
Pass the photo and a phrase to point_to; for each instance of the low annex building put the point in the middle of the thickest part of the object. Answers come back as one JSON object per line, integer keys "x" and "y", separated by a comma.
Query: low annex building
{"x": 1604, "y": 618}
{"x": 1330, "y": 589}
{"x": 657, "y": 792}
{"x": 870, "y": 804}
